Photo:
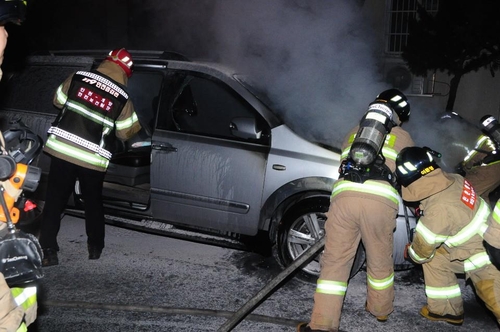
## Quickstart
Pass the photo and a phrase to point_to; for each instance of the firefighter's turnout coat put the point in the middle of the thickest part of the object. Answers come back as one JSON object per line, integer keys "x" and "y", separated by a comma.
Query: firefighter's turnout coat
{"x": 359, "y": 211}
{"x": 492, "y": 234}
{"x": 94, "y": 104}
{"x": 448, "y": 240}
{"x": 482, "y": 171}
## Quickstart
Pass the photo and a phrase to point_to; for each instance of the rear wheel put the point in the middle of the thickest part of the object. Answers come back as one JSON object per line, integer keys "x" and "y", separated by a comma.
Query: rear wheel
{"x": 300, "y": 228}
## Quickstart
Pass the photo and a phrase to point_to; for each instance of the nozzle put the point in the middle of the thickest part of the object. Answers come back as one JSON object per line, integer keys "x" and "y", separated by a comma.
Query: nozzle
{"x": 433, "y": 152}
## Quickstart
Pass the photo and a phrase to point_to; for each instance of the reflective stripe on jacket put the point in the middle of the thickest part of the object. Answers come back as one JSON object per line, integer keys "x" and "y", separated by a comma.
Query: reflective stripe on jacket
{"x": 93, "y": 106}
{"x": 492, "y": 232}
{"x": 379, "y": 188}
{"x": 484, "y": 145}
{"x": 453, "y": 220}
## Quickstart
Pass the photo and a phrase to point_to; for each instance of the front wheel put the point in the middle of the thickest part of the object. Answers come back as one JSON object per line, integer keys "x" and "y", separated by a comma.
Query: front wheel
{"x": 300, "y": 228}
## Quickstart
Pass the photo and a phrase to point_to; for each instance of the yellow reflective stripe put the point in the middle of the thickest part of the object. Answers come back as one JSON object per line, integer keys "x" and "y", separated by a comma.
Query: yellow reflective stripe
{"x": 416, "y": 257}
{"x": 473, "y": 228}
{"x": 127, "y": 123}
{"x": 89, "y": 114}
{"x": 22, "y": 328}
{"x": 496, "y": 212}
{"x": 370, "y": 187}
{"x": 389, "y": 153}
{"x": 390, "y": 139}
{"x": 477, "y": 261}
{"x": 25, "y": 297}
{"x": 381, "y": 284}
{"x": 69, "y": 150}
{"x": 331, "y": 287}
{"x": 429, "y": 236}
{"x": 61, "y": 96}
{"x": 443, "y": 292}
{"x": 345, "y": 153}
{"x": 481, "y": 140}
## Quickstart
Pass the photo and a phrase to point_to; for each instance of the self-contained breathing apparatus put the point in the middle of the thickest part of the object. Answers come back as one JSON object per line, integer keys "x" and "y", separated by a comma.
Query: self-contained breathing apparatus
{"x": 365, "y": 160}
{"x": 491, "y": 127}
{"x": 20, "y": 252}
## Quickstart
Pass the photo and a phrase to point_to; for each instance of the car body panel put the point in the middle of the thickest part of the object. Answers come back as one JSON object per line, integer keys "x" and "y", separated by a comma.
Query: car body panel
{"x": 207, "y": 182}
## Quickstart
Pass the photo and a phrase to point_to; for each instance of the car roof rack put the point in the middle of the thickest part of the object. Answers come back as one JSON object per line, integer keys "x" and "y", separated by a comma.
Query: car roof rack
{"x": 163, "y": 55}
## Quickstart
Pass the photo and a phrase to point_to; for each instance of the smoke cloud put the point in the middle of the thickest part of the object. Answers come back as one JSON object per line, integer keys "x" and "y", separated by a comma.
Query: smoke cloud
{"x": 314, "y": 58}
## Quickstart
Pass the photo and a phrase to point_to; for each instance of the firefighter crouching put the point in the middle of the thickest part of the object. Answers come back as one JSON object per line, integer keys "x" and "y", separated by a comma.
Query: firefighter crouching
{"x": 482, "y": 164}
{"x": 364, "y": 205}
{"x": 448, "y": 237}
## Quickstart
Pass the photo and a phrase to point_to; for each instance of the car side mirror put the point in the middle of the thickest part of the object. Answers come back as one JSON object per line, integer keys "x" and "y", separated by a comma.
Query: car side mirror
{"x": 245, "y": 128}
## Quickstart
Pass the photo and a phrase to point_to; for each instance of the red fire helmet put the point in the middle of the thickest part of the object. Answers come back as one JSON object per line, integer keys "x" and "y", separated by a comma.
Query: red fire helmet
{"x": 122, "y": 58}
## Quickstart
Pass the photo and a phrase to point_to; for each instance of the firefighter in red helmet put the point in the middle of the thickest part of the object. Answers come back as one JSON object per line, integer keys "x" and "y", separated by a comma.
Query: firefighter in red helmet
{"x": 364, "y": 205}
{"x": 94, "y": 104}
{"x": 448, "y": 237}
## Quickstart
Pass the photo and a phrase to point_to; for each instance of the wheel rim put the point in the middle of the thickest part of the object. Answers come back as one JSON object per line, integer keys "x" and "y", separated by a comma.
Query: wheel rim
{"x": 304, "y": 232}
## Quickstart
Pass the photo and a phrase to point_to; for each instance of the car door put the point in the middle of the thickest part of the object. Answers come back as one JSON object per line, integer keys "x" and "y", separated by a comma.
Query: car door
{"x": 209, "y": 155}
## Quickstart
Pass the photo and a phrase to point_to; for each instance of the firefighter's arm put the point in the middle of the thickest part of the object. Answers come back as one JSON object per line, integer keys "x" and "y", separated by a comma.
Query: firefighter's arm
{"x": 11, "y": 315}
{"x": 420, "y": 251}
{"x": 429, "y": 234}
{"x": 61, "y": 94}
{"x": 127, "y": 124}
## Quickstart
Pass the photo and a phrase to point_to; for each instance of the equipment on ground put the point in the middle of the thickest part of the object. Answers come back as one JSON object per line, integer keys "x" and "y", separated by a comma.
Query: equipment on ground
{"x": 20, "y": 252}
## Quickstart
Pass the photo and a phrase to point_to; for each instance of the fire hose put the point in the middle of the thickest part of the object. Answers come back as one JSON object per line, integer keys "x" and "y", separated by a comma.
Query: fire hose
{"x": 271, "y": 286}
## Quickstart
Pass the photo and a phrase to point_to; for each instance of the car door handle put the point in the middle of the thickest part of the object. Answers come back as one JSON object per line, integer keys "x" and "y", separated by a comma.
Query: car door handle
{"x": 164, "y": 147}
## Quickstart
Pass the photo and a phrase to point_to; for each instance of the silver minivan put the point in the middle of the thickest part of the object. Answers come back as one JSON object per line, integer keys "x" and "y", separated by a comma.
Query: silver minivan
{"x": 213, "y": 163}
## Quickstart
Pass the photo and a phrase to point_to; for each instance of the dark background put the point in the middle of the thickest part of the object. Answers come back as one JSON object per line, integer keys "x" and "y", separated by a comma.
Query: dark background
{"x": 109, "y": 24}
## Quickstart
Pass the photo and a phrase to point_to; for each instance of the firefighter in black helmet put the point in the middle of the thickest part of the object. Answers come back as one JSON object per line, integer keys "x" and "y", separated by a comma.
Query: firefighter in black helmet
{"x": 364, "y": 205}
{"x": 448, "y": 237}
{"x": 398, "y": 102}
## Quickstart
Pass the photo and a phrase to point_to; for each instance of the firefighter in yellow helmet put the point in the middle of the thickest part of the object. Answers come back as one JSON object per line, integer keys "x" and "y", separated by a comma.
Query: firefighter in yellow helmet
{"x": 18, "y": 305}
{"x": 448, "y": 237}
{"x": 364, "y": 206}
{"x": 482, "y": 164}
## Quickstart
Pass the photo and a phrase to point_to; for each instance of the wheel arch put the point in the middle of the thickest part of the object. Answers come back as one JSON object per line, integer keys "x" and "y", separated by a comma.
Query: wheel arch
{"x": 300, "y": 191}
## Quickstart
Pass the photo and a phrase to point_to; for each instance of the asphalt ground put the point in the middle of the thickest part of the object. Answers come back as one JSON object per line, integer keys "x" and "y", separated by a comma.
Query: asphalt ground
{"x": 146, "y": 282}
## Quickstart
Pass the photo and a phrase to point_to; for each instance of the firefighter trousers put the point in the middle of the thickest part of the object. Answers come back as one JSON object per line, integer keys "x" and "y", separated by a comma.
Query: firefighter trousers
{"x": 351, "y": 219}
{"x": 440, "y": 276}
{"x": 61, "y": 182}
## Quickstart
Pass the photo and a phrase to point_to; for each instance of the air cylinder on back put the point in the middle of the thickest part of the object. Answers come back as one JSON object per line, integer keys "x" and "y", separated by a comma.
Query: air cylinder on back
{"x": 373, "y": 128}
{"x": 491, "y": 126}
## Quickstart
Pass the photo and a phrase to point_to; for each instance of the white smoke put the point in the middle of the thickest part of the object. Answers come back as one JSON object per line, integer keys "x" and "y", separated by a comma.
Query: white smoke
{"x": 315, "y": 58}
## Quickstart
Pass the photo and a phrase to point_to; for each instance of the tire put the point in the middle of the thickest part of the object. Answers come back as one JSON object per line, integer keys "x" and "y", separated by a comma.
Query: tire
{"x": 299, "y": 229}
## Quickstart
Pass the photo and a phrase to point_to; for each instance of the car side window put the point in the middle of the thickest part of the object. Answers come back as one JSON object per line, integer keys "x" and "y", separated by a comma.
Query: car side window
{"x": 144, "y": 88}
{"x": 205, "y": 106}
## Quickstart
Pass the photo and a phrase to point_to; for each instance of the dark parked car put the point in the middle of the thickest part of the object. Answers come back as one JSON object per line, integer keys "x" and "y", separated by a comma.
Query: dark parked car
{"x": 213, "y": 162}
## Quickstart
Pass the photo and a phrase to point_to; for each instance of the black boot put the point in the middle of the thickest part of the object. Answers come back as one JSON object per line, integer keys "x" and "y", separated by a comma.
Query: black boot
{"x": 94, "y": 252}
{"x": 49, "y": 257}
